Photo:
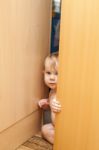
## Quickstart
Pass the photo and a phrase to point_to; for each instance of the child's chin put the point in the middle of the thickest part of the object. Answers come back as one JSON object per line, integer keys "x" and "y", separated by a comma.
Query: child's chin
{"x": 53, "y": 87}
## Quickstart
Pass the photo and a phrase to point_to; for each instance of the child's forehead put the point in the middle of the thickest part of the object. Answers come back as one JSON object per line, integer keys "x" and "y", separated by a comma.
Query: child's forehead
{"x": 51, "y": 67}
{"x": 49, "y": 62}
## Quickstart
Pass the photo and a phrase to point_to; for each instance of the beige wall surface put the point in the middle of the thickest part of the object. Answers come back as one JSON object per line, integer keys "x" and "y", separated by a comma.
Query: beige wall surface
{"x": 17, "y": 134}
{"x": 24, "y": 43}
{"x": 77, "y": 126}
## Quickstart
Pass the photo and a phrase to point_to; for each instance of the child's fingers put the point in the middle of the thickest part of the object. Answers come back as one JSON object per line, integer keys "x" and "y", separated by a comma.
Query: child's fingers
{"x": 56, "y": 105}
{"x": 56, "y": 101}
{"x": 56, "y": 110}
{"x": 43, "y": 104}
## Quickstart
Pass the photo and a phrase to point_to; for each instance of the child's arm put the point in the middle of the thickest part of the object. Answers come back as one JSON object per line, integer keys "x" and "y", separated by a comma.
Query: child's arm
{"x": 44, "y": 104}
{"x": 55, "y": 108}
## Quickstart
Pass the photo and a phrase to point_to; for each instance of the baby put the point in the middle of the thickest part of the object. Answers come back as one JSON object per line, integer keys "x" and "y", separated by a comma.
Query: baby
{"x": 50, "y": 78}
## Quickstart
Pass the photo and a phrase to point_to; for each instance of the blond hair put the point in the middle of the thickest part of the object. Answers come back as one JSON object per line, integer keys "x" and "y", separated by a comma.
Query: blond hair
{"x": 52, "y": 61}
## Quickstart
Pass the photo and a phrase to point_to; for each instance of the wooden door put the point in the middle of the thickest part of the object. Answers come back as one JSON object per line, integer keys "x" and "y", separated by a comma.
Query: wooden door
{"x": 77, "y": 126}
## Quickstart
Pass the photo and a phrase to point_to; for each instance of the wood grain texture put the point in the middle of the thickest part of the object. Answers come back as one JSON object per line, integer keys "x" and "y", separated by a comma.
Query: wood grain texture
{"x": 24, "y": 148}
{"x": 77, "y": 126}
{"x": 36, "y": 143}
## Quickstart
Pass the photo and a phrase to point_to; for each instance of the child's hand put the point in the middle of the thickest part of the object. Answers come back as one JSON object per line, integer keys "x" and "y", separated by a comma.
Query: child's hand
{"x": 43, "y": 103}
{"x": 55, "y": 106}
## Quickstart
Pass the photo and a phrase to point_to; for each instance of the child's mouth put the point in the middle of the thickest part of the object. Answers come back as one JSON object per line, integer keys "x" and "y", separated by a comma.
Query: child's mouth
{"x": 52, "y": 84}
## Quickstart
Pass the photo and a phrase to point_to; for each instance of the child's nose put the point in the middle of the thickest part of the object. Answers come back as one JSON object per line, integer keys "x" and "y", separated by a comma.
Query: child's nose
{"x": 52, "y": 77}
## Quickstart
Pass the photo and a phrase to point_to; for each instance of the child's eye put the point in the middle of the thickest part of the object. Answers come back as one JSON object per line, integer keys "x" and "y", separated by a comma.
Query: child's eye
{"x": 56, "y": 73}
{"x": 48, "y": 72}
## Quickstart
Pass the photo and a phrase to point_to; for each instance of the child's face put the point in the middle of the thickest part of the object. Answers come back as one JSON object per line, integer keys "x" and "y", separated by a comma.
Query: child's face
{"x": 50, "y": 77}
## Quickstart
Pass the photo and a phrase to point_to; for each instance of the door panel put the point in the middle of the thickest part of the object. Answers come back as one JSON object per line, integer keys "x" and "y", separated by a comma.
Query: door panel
{"x": 77, "y": 126}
